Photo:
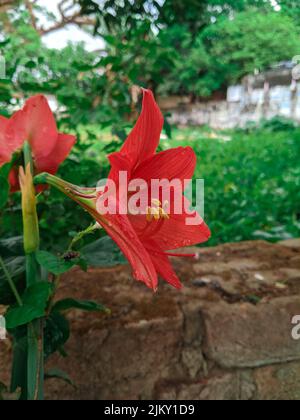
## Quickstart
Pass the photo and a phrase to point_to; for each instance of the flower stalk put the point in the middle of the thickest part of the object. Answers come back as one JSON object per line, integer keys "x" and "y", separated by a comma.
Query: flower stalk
{"x": 35, "y": 346}
{"x": 30, "y": 219}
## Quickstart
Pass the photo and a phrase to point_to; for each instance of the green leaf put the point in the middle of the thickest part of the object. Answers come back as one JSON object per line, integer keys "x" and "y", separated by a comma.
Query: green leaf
{"x": 103, "y": 253}
{"x": 35, "y": 299}
{"x": 59, "y": 374}
{"x": 82, "y": 263}
{"x": 53, "y": 264}
{"x": 5, "y": 170}
{"x": 15, "y": 317}
{"x": 57, "y": 333}
{"x": 4, "y": 191}
{"x": 4, "y": 184}
{"x": 84, "y": 305}
{"x": 38, "y": 294}
{"x": 30, "y": 64}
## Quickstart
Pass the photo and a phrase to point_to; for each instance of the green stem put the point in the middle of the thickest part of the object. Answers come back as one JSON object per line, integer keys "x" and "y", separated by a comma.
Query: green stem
{"x": 35, "y": 342}
{"x": 56, "y": 284}
{"x": 32, "y": 274}
{"x": 35, "y": 361}
{"x": 11, "y": 282}
{"x": 19, "y": 367}
{"x": 80, "y": 235}
{"x": 35, "y": 354}
{"x": 19, "y": 371}
{"x": 28, "y": 156}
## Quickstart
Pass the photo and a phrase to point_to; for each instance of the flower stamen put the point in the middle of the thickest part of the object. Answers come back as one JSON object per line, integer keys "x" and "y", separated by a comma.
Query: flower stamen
{"x": 156, "y": 211}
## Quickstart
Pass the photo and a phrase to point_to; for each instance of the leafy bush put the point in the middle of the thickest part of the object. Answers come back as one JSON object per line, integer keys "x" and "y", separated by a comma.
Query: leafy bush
{"x": 278, "y": 124}
{"x": 252, "y": 183}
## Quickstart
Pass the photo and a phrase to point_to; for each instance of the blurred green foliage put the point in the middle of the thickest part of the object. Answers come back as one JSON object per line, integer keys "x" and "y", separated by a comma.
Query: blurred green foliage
{"x": 252, "y": 180}
{"x": 72, "y": 76}
{"x": 251, "y": 42}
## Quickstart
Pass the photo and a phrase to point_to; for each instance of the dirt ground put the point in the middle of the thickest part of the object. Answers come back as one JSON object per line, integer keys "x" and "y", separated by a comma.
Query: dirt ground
{"x": 150, "y": 342}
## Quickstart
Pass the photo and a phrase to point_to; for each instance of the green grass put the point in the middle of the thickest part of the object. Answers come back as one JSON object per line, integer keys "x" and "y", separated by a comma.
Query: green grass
{"x": 252, "y": 181}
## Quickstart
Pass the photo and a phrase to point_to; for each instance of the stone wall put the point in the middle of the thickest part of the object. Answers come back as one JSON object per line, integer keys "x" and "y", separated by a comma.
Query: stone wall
{"x": 240, "y": 108}
{"x": 225, "y": 336}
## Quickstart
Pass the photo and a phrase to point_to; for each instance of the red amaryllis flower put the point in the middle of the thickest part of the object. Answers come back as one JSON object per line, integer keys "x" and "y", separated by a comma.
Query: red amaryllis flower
{"x": 35, "y": 123}
{"x": 146, "y": 238}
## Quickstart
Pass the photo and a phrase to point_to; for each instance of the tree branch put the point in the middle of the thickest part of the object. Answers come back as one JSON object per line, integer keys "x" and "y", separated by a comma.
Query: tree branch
{"x": 7, "y": 3}
{"x": 75, "y": 18}
{"x": 29, "y": 7}
{"x": 65, "y": 16}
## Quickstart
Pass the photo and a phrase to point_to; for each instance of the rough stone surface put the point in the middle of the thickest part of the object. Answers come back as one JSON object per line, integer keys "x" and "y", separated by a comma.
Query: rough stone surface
{"x": 280, "y": 382}
{"x": 218, "y": 387}
{"x": 226, "y": 336}
{"x": 251, "y": 336}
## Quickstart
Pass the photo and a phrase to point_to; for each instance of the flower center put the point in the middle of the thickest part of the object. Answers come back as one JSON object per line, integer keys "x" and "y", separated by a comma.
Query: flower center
{"x": 157, "y": 211}
{"x": 156, "y": 216}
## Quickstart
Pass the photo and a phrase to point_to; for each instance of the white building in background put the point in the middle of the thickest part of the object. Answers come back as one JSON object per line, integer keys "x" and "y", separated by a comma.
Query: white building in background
{"x": 275, "y": 92}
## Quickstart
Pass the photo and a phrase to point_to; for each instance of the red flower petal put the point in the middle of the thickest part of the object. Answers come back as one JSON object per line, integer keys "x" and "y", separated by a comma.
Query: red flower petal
{"x": 171, "y": 164}
{"x": 175, "y": 233}
{"x": 165, "y": 270}
{"x": 143, "y": 140}
{"x": 40, "y": 126}
{"x": 172, "y": 233}
{"x": 15, "y": 133}
{"x": 14, "y": 180}
{"x": 121, "y": 231}
{"x": 119, "y": 162}
{"x": 35, "y": 123}
{"x": 3, "y": 125}
{"x": 5, "y": 155}
{"x": 51, "y": 162}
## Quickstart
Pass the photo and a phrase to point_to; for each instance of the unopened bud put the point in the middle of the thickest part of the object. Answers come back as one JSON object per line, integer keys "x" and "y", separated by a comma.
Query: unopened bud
{"x": 30, "y": 219}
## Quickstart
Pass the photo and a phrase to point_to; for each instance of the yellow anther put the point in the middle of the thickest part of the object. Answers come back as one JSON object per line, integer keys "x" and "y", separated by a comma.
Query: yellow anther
{"x": 156, "y": 202}
{"x": 148, "y": 214}
{"x": 163, "y": 214}
{"x": 155, "y": 213}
